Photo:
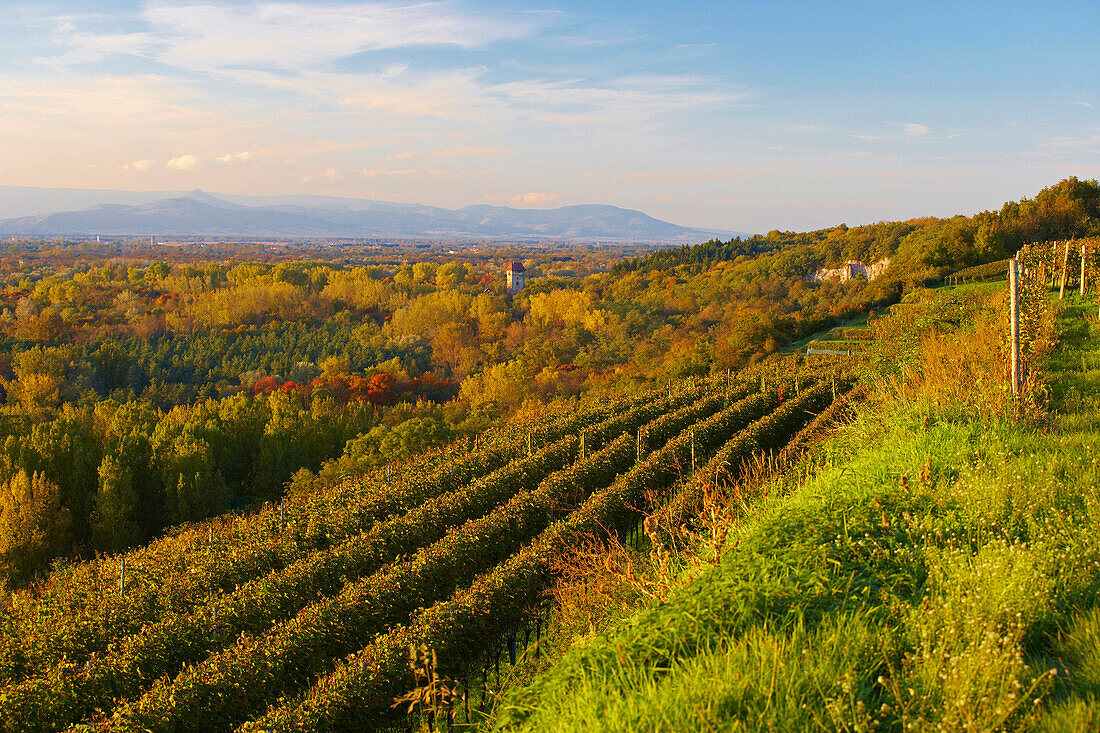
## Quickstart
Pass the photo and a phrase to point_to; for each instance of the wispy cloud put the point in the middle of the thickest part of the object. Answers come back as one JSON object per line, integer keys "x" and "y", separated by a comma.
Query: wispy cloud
{"x": 622, "y": 101}
{"x": 914, "y": 129}
{"x": 717, "y": 173}
{"x": 288, "y": 35}
{"x": 1068, "y": 142}
{"x": 274, "y": 78}
{"x": 471, "y": 151}
{"x": 138, "y": 165}
{"x": 382, "y": 173}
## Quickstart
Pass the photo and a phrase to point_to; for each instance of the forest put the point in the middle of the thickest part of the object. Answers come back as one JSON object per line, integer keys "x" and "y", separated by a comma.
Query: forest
{"x": 147, "y": 386}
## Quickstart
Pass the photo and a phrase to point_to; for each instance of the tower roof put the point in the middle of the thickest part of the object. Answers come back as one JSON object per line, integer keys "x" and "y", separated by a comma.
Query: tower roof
{"x": 516, "y": 267}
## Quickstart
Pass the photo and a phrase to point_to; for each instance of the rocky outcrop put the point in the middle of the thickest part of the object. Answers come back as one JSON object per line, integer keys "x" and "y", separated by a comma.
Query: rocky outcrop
{"x": 852, "y": 269}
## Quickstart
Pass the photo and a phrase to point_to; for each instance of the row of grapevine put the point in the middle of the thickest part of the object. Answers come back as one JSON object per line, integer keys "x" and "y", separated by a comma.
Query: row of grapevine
{"x": 359, "y": 693}
{"x": 1035, "y": 311}
{"x": 843, "y": 406}
{"x": 288, "y": 655}
{"x": 80, "y": 610}
{"x": 980, "y": 273}
{"x": 68, "y": 610}
{"x": 768, "y": 433}
{"x": 69, "y": 691}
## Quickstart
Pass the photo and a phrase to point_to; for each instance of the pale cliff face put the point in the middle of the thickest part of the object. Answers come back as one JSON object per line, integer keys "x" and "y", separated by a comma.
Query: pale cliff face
{"x": 852, "y": 269}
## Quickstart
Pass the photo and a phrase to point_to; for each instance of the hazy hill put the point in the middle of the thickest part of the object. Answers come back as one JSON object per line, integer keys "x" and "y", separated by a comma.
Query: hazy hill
{"x": 199, "y": 213}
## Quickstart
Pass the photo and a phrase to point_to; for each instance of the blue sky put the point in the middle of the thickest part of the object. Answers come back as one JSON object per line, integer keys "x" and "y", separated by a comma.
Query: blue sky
{"x": 738, "y": 115}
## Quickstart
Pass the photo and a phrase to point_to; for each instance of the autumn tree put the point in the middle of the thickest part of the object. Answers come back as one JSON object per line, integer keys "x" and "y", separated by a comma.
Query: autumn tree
{"x": 34, "y": 525}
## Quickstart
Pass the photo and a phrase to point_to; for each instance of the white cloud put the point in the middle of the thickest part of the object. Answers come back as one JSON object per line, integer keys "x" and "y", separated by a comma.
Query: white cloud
{"x": 332, "y": 174}
{"x": 138, "y": 165}
{"x": 535, "y": 198}
{"x": 184, "y": 163}
{"x": 871, "y": 138}
{"x": 234, "y": 158}
{"x": 915, "y": 129}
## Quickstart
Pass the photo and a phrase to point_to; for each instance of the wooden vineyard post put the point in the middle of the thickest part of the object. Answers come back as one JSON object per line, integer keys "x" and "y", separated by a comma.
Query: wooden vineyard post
{"x": 639, "y": 452}
{"x": 122, "y": 580}
{"x": 693, "y": 451}
{"x": 1065, "y": 269}
{"x": 1081, "y": 285}
{"x": 1014, "y": 320}
{"x": 582, "y": 446}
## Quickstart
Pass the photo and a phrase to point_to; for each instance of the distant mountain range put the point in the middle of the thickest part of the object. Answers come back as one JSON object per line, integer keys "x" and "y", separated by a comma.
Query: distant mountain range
{"x": 38, "y": 212}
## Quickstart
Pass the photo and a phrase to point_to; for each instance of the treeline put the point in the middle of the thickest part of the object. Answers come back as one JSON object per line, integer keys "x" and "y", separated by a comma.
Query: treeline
{"x": 170, "y": 369}
{"x": 109, "y": 475}
{"x": 925, "y": 248}
{"x": 699, "y": 255}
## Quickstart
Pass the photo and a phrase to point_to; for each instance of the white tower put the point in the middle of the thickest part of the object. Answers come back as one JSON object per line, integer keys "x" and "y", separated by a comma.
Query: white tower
{"x": 515, "y": 277}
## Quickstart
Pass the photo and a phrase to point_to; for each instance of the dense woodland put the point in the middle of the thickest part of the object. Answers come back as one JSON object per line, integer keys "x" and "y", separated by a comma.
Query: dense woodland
{"x": 149, "y": 386}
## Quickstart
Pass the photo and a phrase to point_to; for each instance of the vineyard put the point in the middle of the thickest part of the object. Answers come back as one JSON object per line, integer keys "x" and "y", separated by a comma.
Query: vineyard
{"x": 980, "y": 273}
{"x": 386, "y": 592}
{"x": 302, "y": 615}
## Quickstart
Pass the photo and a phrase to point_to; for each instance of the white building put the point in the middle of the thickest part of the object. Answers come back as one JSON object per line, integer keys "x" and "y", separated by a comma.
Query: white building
{"x": 515, "y": 273}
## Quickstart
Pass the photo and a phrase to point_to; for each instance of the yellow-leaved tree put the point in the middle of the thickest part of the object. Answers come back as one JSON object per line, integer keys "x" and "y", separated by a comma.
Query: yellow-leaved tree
{"x": 34, "y": 526}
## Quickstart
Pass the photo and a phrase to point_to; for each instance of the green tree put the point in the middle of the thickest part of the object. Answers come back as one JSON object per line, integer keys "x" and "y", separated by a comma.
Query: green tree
{"x": 113, "y": 525}
{"x": 194, "y": 487}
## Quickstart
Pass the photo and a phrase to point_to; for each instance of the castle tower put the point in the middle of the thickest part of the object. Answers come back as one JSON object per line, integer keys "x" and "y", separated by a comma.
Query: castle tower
{"x": 515, "y": 277}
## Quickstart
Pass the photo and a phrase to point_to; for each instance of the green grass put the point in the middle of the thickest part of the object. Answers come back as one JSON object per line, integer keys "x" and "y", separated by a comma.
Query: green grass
{"x": 932, "y": 573}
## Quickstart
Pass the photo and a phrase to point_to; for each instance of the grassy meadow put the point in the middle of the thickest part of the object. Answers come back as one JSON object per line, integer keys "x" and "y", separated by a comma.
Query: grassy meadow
{"x": 933, "y": 565}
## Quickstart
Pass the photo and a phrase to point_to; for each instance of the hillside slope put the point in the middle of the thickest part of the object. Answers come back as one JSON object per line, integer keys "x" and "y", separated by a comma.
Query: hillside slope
{"x": 937, "y": 570}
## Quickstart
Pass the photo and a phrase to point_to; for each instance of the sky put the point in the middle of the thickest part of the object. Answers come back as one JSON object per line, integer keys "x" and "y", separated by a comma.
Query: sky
{"x": 746, "y": 116}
